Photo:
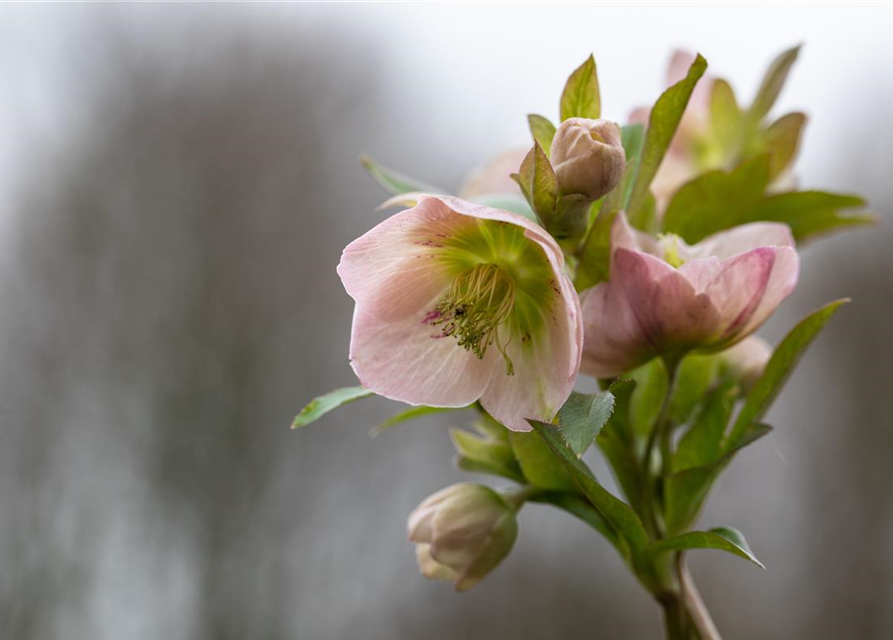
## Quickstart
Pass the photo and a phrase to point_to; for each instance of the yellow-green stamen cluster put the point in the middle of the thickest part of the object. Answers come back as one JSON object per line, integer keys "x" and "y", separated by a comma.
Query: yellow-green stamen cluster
{"x": 670, "y": 243}
{"x": 479, "y": 301}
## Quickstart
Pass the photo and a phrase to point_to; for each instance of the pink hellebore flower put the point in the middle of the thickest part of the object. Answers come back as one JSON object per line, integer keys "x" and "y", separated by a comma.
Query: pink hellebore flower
{"x": 457, "y": 302}
{"x": 665, "y": 297}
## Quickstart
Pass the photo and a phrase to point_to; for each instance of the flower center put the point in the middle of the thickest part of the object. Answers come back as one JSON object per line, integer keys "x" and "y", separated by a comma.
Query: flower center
{"x": 670, "y": 243}
{"x": 479, "y": 301}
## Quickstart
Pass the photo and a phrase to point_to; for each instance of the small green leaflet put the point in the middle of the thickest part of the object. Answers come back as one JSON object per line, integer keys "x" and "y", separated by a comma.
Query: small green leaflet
{"x": 581, "y": 97}
{"x": 723, "y": 538}
{"x": 662, "y": 124}
{"x": 320, "y": 406}
{"x": 409, "y": 414}
{"x": 394, "y": 182}
{"x": 582, "y": 417}
{"x": 542, "y": 131}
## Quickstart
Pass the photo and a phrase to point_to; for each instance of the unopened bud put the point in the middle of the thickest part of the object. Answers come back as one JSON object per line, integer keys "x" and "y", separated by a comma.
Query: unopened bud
{"x": 462, "y": 533}
{"x": 747, "y": 360}
{"x": 588, "y": 157}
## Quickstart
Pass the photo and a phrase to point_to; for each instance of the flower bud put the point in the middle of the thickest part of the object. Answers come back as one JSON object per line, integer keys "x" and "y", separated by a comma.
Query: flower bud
{"x": 462, "y": 533}
{"x": 747, "y": 360}
{"x": 588, "y": 157}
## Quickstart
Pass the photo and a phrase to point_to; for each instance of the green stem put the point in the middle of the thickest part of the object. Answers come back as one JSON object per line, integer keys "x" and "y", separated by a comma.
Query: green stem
{"x": 661, "y": 431}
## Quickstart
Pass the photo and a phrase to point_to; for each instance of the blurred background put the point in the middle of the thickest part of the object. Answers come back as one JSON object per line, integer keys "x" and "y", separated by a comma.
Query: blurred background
{"x": 176, "y": 185}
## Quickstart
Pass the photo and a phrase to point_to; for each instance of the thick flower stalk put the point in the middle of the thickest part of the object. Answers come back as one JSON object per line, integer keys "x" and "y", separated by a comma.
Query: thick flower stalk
{"x": 667, "y": 298}
{"x": 458, "y": 302}
{"x": 462, "y": 533}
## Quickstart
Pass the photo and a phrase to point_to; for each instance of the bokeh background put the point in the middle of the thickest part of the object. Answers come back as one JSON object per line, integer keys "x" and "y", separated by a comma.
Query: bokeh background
{"x": 176, "y": 184}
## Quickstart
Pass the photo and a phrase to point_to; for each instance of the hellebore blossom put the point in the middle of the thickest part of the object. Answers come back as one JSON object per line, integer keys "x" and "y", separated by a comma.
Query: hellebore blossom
{"x": 462, "y": 533}
{"x": 665, "y": 297}
{"x": 458, "y": 302}
{"x": 588, "y": 157}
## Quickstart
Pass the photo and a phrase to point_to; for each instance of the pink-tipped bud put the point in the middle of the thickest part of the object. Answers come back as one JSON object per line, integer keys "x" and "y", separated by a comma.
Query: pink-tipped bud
{"x": 588, "y": 157}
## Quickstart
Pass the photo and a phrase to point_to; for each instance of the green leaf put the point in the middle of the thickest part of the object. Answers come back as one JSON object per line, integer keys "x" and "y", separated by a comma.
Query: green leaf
{"x": 582, "y": 417}
{"x": 686, "y": 490}
{"x": 507, "y": 202}
{"x": 717, "y": 200}
{"x": 581, "y": 98}
{"x": 723, "y": 538}
{"x": 702, "y": 443}
{"x": 662, "y": 124}
{"x": 320, "y": 406}
{"x": 539, "y": 465}
{"x": 781, "y": 140}
{"x": 411, "y": 413}
{"x": 618, "y": 514}
{"x": 542, "y": 131}
{"x": 393, "y": 182}
{"x": 772, "y": 84}
{"x": 580, "y": 507}
{"x": 779, "y": 368}
{"x": 810, "y": 213}
{"x": 485, "y": 455}
{"x": 645, "y": 403}
{"x": 538, "y": 183}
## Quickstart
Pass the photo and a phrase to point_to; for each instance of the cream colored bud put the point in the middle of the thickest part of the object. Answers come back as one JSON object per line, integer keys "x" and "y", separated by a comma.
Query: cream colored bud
{"x": 747, "y": 360}
{"x": 462, "y": 533}
{"x": 588, "y": 157}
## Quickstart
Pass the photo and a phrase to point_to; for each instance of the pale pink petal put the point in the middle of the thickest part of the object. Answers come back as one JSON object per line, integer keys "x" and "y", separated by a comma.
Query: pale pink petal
{"x": 392, "y": 270}
{"x": 781, "y": 283}
{"x": 735, "y": 286}
{"x": 730, "y": 242}
{"x": 670, "y": 313}
{"x": 614, "y": 342}
{"x": 412, "y": 361}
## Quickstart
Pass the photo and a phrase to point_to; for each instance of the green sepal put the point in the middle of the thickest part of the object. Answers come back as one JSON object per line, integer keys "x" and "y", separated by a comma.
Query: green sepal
{"x": 616, "y": 512}
{"x": 582, "y": 417}
{"x": 321, "y": 405}
{"x": 538, "y": 183}
{"x": 543, "y": 131}
{"x": 779, "y": 368}
{"x": 662, "y": 125}
{"x": 394, "y": 182}
{"x": 485, "y": 455}
{"x": 722, "y": 538}
{"x": 581, "y": 97}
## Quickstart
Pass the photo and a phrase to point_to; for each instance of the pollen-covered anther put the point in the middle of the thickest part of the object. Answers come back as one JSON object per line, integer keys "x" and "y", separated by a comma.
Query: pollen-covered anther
{"x": 478, "y": 303}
